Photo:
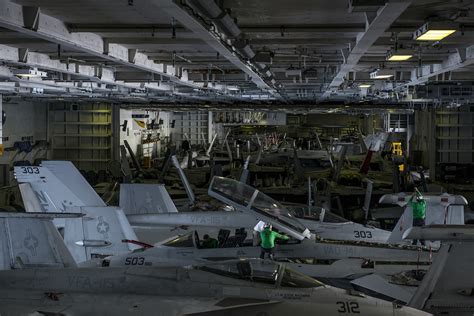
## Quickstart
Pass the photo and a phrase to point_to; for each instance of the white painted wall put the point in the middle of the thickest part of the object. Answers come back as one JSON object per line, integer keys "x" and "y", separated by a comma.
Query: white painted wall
{"x": 134, "y": 135}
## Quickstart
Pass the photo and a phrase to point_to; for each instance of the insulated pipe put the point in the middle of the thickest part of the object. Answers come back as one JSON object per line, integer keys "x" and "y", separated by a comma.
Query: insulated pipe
{"x": 224, "y": 23}
{"x": 221, "y": 19}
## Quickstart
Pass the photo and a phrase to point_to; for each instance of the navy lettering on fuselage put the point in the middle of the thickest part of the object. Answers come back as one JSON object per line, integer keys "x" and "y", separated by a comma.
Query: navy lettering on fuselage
{"x": 86, "y": 282}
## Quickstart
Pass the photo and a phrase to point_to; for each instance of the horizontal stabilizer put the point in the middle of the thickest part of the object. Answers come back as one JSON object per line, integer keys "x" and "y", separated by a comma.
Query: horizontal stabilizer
{"x": 402, "y": 199}
{"x": 39, "y": 215}
{"x": 437, "y": 213}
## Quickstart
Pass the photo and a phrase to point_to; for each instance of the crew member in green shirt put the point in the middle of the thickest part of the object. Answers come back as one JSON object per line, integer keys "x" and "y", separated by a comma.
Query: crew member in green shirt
{"x": 268, "y": 237}
{"x": 208, "y": 242}
{"x": 418, "y": 205}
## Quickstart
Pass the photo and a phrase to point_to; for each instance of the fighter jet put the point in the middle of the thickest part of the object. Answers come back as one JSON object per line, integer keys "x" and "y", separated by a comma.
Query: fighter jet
{"x": 447, "y": 288}
{"x": 152, "y": 213}
{"x": 250, "y": 287}
{"x": 332, "y": 260}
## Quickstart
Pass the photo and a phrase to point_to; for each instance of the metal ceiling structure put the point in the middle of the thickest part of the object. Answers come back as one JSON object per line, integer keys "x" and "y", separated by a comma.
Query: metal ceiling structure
{"x": 229, "y": 53}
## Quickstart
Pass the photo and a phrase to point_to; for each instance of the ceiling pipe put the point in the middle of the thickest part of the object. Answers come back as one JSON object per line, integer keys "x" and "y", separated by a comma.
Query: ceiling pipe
{"x": 220, "y": 18}
{"x": 226, "y": 24}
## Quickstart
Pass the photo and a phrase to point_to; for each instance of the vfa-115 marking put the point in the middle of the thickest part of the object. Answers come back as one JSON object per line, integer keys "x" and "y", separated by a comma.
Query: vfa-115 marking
{"x": 236, "y": 287}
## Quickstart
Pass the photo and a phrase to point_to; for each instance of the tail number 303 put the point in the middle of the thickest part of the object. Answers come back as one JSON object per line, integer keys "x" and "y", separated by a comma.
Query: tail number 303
{"x": 348, "y": 307}
{"x": 362, "y": 234}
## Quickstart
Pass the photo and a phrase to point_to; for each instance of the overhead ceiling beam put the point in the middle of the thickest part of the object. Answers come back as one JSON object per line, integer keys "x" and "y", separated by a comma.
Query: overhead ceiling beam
{"x": 80, "y": 74}
{"x": 39, "y": 25}
{"x": 112, "y": 28}
{"x": 201, "y": 32}
{"x": 154, "y": 40}
{"x": 386, "y": 15}
{"x": 456, "y": 61}
{"x": 295, "y": 28}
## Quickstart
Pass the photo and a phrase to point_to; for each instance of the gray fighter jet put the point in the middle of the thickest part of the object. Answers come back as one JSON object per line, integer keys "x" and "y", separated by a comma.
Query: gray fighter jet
{"x": 352, "y": 261}
{"x": 250, "y": 287}
{"x": 148, "y": 207}
{"x": 447, "y": 288}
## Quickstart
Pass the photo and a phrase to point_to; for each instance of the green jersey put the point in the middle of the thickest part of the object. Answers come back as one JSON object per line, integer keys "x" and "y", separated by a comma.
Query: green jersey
{"x": 419, "y": 209}
{"x": 209, "y": 243}
{"x": 268, "y": 238}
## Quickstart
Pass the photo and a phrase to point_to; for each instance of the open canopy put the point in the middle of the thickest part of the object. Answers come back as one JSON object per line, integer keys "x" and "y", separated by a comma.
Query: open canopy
{"x": 251, "y": 201}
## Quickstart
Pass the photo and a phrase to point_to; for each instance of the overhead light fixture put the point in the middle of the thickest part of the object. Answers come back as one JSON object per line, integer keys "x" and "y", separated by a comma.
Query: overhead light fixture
{"x": 381, "y": 74}
{"x": 233, "y": 88}
{"x": 29, "y": 73}
{"x": 399, "y": 55}
{"x": 365, "y": 85}
{"x": 434, "y": 31}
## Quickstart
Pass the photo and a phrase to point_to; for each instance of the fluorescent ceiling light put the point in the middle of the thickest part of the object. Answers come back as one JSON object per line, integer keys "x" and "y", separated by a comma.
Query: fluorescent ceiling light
{"x": 434, "y": 31}
{"x": 233, "y": 88}
{"x": 365, "y": 85}
{"x": 29, "y": 73}
{"x": 435, "y": 35}
{"x": 397, "y": 57}
{"x": 381, "y": 74}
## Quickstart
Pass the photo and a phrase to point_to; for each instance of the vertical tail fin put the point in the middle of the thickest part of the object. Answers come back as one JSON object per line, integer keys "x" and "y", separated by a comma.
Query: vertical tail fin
{"x": 184, "y": 179}
{"x": 440, "y": 209}
{"x": 140, "y": 198}
{"x": 53, "y": 195}
{"x": 59, "y": 187}
{"x": 98, "y": 234}
{"x": 31, "y": 240}
{"x": 30, "y": 200}
{"x": 368, "y": 197}
{"x": 69, "y": 176}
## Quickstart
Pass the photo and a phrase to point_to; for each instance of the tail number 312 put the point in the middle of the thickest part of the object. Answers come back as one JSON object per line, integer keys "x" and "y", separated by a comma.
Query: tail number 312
{"x": 348, "y": 307}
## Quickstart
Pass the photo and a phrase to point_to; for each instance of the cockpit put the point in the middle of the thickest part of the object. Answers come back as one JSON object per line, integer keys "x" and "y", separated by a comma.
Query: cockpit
{"x": 247, "y": 199}
{"x": 261, "y": 271}
{"x": 224, "y": 240}
{"x": 317, "y": 214}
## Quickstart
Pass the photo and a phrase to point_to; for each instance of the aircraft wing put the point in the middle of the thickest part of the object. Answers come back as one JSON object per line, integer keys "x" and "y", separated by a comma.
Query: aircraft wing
{"x": 382, "y": 286}
{"x": 233, "y": 305}
{"x": 448, "y": 286}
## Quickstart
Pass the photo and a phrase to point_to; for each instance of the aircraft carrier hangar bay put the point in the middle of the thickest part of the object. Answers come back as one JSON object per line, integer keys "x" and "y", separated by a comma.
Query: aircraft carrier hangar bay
{"x": 216, "y": 157}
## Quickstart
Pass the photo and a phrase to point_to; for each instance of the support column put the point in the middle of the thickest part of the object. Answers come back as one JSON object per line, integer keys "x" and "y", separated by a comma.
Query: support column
{"x": 432, "y": 150}
{"x": 210, "y": 127}
{"x": 1, "y": 126}
{"x": 115, "y": 132}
